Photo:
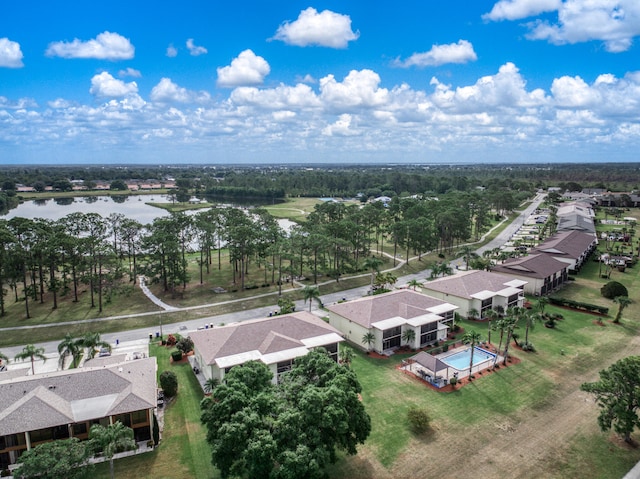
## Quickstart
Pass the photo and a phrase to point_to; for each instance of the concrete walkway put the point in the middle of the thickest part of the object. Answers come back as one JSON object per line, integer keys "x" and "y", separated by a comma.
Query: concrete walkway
{"x": 154, "y": 299}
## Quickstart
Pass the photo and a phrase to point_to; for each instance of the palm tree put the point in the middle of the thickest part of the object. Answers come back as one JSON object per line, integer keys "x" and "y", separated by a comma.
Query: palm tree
{"x": 414, "y": 283}
{"x": 210, "y": 384}
{"x": 310, "y": 293}
{"x": 346, "y": 356}
{"x": 530, "y": 322}
{"x": 473, "y": 313}
{"x": 467, "y": 253}
{"x": 112, "y": 439}
{"x": 472, "y": 338}
{"x": 492, "y": 315}
{"x": 373, "y": 264}
{"x": 511, "y": 323}
{"x": 368, "y": 339}
{"x": 31, "y": 352}
{"x": 92, "y": 342}
{"x": 623, "y": 302}
{"x": 542, "y": 302}
{"x": 69, "y": 347}
{"x": 409, "y": 336}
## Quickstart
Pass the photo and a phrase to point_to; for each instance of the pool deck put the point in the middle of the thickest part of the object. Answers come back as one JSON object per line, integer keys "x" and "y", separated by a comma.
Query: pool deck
{"x": 442, "y": 377}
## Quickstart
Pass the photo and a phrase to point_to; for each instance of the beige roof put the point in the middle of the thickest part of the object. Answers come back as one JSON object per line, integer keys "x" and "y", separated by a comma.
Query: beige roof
{"x": 74, "y": 395}
{"x": 470, "y": 284}
{"x": 265, "y": 339}
{"x": 538, "y": 266}
{"x": 404, "y": 304}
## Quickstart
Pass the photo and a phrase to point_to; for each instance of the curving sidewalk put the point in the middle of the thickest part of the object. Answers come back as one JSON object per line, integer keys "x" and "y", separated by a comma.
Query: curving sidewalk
{"x": 157, "y": 301}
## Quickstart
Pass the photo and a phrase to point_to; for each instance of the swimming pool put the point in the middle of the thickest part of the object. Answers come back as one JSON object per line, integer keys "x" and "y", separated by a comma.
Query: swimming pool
{"x": 460, "y": 360}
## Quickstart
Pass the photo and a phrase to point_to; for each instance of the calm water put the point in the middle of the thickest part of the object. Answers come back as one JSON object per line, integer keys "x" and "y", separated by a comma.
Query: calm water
{"x": 134, "y": 207}
{"x": 54, "y": 209}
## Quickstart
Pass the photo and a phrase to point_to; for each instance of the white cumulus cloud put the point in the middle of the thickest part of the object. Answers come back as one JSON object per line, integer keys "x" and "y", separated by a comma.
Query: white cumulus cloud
{"x": 461, "y": 52}
{"x": 104, "y": 85}
{"x": 614, "y": 22}
{"x": 359, "y": 88}
{"x": 106, "y": 46}
{"x": 10, "y": 54}
{"x": 325, "y": 29}
{"x": 246, "y": 69}
{"x": 517, "y": 9}
{"x": 195, "y": 50}
{"x": 167, "y": 92}
{"x": 341, "y": 127}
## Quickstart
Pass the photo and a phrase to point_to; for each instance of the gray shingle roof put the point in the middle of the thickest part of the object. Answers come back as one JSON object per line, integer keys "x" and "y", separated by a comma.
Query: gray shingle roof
{"x": 265, "y": 336}
{"x": 538, "y": 266}
{"x": 401, "y": 303}
{"x": 63, "y": 397}
{"x": 468, "y": 283}
{"x": 571, "y": 244}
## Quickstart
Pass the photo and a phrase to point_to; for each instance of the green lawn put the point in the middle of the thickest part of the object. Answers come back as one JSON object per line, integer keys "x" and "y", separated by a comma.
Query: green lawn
{"x": 183, "y": 451}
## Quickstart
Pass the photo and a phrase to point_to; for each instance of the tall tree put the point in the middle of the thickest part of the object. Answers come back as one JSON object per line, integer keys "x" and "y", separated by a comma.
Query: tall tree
{"x": 68, "y": 458}
{"x": 295, "y": 429}
{"x": 623, "y": 302}
{"x": 69, "y": 347}
{"x": 92, "y": 342}
{"x": 311, "y": 293}
{"x": 111, "y": 439}
{"x": 472, "y": 338}
{"x": 618, "y": 395}
{"x": 32, "y": 353}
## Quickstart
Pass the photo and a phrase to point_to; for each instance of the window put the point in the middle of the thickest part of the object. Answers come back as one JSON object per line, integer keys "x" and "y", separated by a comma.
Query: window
{"x": 391, "y": 338}
{"x": 332, "y": 350}
{"x": 79, "y": 429}
{"x": 139, "y": 417}
{"x": 428, "y": 333}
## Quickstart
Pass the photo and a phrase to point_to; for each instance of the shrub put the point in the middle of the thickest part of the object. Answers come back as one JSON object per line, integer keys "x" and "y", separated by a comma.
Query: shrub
{"x": 528, "y": 347}
{"x": 171, "y": 340}
{"x": 419, "y": 421}
{"x": 169, "y": 383}
{"x": 185, "y": 345}
{"x": 176, "y": 356}
{"x": 613, "y": 289}
{"x": 453, "y": 381}
{"x": 445, "y": 347}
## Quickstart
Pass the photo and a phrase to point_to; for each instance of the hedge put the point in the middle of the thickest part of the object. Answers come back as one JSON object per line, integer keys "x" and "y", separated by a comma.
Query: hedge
{"x": 569, "y": 303}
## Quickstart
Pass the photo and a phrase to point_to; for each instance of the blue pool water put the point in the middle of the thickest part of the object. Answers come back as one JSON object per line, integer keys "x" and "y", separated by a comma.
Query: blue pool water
{"x": 460, "y": 360}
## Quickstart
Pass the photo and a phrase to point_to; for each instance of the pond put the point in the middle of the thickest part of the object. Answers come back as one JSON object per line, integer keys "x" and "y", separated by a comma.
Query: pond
{"x": 131, "y": 206}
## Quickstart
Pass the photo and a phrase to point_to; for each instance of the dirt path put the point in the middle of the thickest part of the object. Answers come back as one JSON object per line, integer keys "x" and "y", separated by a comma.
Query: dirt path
{"x": 524, "y": 446}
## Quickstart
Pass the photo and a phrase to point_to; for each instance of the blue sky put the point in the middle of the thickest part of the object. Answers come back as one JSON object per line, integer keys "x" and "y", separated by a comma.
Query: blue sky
{"x": 319, "y": 82}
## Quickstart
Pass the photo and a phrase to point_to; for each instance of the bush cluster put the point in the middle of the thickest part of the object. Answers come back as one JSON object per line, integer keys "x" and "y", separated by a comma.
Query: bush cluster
{"x": 579, "y": 305}
{"x": 613, "y": 289}
{"x": 418, "y": 419}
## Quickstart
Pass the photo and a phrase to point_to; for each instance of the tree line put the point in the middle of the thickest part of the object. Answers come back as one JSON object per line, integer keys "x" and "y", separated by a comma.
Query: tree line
{"x": 42, "y": 259}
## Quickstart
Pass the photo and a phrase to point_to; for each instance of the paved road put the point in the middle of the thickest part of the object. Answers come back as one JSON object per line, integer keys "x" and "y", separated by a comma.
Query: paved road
{"x": 138, "y": 334}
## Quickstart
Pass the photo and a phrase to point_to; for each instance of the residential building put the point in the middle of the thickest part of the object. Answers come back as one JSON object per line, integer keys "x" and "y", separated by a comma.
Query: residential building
{"x": 576, "y": 222}
{"x": 58, "y": 405}
{"x": 275, "y": 341}
{"x": 386, "y": 317}
{"x": 571, "y": 247}
{"x": 543, "y": 273}
{"x": 477, "y": 290}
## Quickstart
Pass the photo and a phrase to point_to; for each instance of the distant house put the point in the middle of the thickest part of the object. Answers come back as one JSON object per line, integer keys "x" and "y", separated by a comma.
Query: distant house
{"x": 576, "y": 207}
{"x": 276, "y": 342}
{"x": 571, "y": 247}
{"x": 543, "y": 273}
{"x": 576, "y": 222}
{"x": 478, "y": 290}
{"x": 387, "y": 316}
{"x": 45, "y": 407}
